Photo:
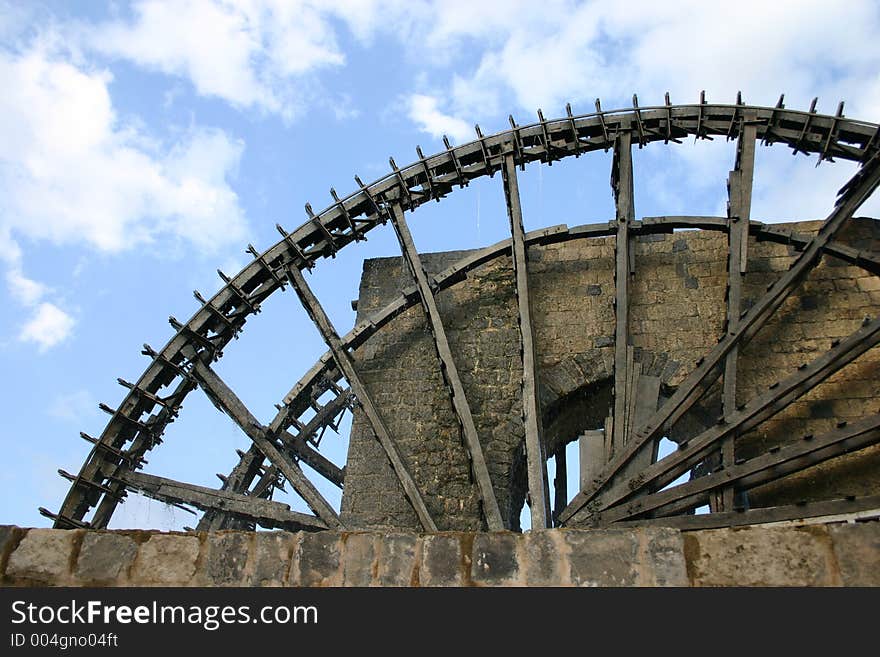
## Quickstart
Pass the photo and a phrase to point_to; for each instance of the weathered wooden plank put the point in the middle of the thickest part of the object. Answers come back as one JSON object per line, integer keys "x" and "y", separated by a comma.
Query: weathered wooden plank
{"x": 591, "y": 455}
{"x": 853, "y": 195}
{"x": 647, "y": 393}
{"x": 346, "y": 366}
{"x": 777, "y": 397}
{"x": 560, "y": 482}
{"x": 226, "y": 400}
{"x": 264, "y": 512}
{"x": 536, "y": 467}
{"x": 739, "y": 212}
{"x": 460, "y": 404}
{"x": 622, "y": 186}
{"x": 791, "y": 512}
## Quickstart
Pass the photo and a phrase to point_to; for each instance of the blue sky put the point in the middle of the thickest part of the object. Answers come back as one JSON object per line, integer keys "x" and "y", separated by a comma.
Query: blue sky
{"x": 143, "y": 145}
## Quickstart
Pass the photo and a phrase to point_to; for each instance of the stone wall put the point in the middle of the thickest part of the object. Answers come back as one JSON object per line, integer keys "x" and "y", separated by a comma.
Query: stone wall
{"x": 677, "y": 311}
{"x": 818, "y": 555}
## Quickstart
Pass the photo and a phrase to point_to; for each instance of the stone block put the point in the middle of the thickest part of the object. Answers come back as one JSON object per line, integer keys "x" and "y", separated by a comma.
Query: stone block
{"x": 545, "y": 558}
{"x": 166, "y": 560}
{"x": 760, "y": 556}
{"x": 43, "y": 556}
{"x": 272, "y": 555}
{"x": 226, "y": 559}
{"x": 105, "y": 558}
{"x": 359, "y": 559}
{"x": 443, "y": 562}
{"x": 395, "y": 559}
{"x": 317, "y": 560}
{"x": 857, "y": 549}
{"x": 495, "y": 560}
{"x": 602, "y": 557}
{"x": 661, "y": 558}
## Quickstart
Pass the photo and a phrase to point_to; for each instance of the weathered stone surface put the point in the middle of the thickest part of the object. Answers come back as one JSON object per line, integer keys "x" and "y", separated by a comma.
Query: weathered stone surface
{"x": 604, "y": 557}
{"x": 104, "y": 558}
{"x": 443, "y": 562}
{"x": 317, "y": 560}
{"x": 9, "y": 535}
{"x": 495, "y": 561}
{"x": 272, "y": 555}
{"x": 396, "y": 559}
{"x": 857, "y": 549}
{"x": 661, "y": 558}
{"x": 43, "y": 556}
{"x": 836, "y": 554}
{"x": 359, "y": 562}
{"x": 227, "y": 556}
{"x": 760, "y": 556}
{"x": 166, "y": 560}
{"x": 546, "y": 558}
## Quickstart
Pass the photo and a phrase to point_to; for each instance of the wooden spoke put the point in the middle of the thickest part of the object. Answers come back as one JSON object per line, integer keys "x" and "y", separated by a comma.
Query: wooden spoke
{"x": 226, "y": 400}
{"x": 739, "y": 189}
{"x": 267, "y": 513}
{"x": 346, "y": 365}
{"x": 622, "y": 186}
{"x": 698, "y": 381}
{"x": 539, "y": 493}
{"x": 460, "y": 404}
{"x": 777, "y": 397}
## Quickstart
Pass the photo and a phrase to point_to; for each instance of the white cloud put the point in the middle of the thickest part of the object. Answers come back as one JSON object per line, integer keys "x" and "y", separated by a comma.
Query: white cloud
{"x": 423, "y": 110}
{"x": 48, "y": 327}
{"x": 81, "y": 176}
{"x": 247, "y": 53}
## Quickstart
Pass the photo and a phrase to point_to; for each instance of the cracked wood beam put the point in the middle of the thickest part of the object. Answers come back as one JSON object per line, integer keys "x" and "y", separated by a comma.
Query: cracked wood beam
{"x": 539, "y": 489}
{"x": 854, "y": 193}
{"x": 778, "y": 396}
{"x": 775, "y": 464}
{"x": 227, "y": 401}
{"x": 739, "y": 186}
{"x": 449, "y": 371}
{"x": 622, "y": 187}
{"x": 346, "y": 365}
{"x": 264, "y": 512}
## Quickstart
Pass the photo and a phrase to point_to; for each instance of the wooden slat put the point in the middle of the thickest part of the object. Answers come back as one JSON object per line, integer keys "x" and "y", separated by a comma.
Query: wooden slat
{"x": 225, "y": 399}
{"x": 647, "y": 393}
{"x": 739, "y": 211}
{"x": 265, "y": 512}
{"x": 449, "y": 369}
{"x": 539, "y": 493}
{"x": 854, "y": 194}
{"x": 346, "y": 365}
{"x": 622, "y": 186}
